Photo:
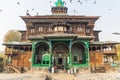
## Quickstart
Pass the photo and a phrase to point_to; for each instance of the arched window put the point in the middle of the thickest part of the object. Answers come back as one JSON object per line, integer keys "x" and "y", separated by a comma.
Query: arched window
{"x": 93, "y": 48}
{"x": 78, "y": 53}
{"x": 41, "y": 49}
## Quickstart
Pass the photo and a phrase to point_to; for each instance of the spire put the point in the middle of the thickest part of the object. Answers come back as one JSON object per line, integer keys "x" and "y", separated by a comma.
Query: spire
{"x": 59, "y": 3}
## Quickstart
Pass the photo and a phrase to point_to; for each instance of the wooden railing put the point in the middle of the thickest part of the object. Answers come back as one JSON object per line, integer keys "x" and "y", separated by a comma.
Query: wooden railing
{"x": 53, "y": 32}
{"x": 9, "y": 52}
{"x": 113, "y": 51}
{"x": 12, "y": 52}
{"x": 109, "y": 51}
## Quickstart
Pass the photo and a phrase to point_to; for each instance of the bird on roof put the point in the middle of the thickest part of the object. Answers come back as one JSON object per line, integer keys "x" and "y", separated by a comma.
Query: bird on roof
{"x": 27, "y": 13}
{"x": 37, "y": 13}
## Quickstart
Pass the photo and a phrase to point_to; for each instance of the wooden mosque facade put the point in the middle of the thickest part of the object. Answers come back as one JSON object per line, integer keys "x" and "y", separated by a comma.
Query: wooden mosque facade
{"x": 60, "y": 39}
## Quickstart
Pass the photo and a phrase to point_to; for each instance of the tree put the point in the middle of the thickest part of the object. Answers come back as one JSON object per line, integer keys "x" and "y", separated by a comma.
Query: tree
{"x": 12, "y": 35}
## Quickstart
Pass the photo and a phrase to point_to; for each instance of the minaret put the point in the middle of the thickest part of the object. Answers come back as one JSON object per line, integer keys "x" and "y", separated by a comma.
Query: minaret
{"x": 59, "y": 9}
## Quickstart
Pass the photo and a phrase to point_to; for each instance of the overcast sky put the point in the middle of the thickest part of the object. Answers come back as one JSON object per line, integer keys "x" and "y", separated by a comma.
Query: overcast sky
{"x": 108, "y": 10}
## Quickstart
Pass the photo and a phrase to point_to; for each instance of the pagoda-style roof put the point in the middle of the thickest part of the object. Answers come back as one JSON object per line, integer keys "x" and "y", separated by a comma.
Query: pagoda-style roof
{"x": 17, "y": 44}
{"x": 97, "y": 31}
{"x": 61, "y": 36}
{"x": 65, "y": 18}
{"x": 50, "y": 36}
{"x": 22, "y": 30}
{"x": 104, "y": 42}
{"x": 59, "y": 16}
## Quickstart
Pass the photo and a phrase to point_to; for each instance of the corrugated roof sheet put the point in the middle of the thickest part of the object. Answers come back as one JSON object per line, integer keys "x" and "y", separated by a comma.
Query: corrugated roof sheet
{"x": 105, "y": 42}
{"x": 17, "y": 43}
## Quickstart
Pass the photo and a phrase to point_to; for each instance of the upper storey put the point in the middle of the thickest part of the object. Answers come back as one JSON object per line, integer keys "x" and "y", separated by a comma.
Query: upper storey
{"x": 64, "y": 24}
{"x": 59, "y": 23}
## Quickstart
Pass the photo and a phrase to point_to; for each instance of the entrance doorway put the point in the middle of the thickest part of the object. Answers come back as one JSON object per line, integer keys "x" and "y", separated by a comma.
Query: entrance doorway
{"x": 60, "y": 61}
{"x": 60, "y": 54}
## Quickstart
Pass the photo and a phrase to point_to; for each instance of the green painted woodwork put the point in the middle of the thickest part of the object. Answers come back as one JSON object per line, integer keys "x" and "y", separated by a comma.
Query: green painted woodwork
{"x": 37, "y": 42}
{"x": 50, "y": 45}
{"x": 46, "y": 57}
{"x": 45, "y": 62}
{"x": 70, "y": 55}
{"x": 40, "y": 65}
{"x": 87, "y": 53}
{"x": 85, "y": 56}
{"x": 59, "y": 3}
{"x": 68, "y": 64}
{"x": 33, "y": 53}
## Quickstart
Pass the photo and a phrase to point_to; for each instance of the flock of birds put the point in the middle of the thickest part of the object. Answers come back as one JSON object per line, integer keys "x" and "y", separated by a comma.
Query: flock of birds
{"x": 78, "y": 1}
{"x": 81, "y": 2}
{"x": 65, "y": 3}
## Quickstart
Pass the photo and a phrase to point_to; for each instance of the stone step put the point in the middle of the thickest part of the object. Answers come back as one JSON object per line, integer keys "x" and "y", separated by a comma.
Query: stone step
{"x": 62, "y": 76}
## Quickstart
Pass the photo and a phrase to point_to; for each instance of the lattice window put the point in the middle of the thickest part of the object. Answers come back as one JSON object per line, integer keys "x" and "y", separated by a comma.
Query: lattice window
{"x": 60, "y": 28}
{"x": 80, "y": 29}
{"x": 32, "y": 30}
{"x": 40, "y": 29}
{"x": 49, "y": 29}
{"x": 88, "y": 30}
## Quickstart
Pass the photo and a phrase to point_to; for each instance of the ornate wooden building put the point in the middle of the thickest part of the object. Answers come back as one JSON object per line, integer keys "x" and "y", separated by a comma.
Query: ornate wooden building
{"x": 60, "y": 39}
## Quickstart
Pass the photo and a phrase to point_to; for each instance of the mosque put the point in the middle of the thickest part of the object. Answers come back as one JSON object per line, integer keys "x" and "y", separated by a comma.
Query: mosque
{"x": 61, "y": 40}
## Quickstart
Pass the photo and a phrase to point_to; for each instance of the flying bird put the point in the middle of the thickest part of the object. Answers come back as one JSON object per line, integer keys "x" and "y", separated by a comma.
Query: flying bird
{"x": 32, "y": 9}
{"x": 70, "y": 1}
{"x": 110, "y": 9}
{"x": 18, "y": 3}
{"x": 80, "y": 3}
{"x": 78, "y": 0}
{"x": 94, "y": 2}
{"x": 50, "y": 1}
{"x": 0, "y": 10}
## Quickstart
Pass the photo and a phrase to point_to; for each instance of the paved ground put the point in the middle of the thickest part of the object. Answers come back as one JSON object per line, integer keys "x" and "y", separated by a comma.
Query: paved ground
{"x": 98, "y": 77}
{"x": 60, "y": 76}
{"x": 25, "y": 76}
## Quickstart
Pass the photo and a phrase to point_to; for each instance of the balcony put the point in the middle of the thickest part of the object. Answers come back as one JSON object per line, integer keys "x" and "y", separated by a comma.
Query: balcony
{"x": 55, "y": 32}
{"x": 11, "y": 52}
{"x": 112, "y": 51}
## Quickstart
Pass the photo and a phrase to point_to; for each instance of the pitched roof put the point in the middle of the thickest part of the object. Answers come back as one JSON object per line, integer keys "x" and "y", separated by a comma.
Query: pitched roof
{"x": 17, "y": 43}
